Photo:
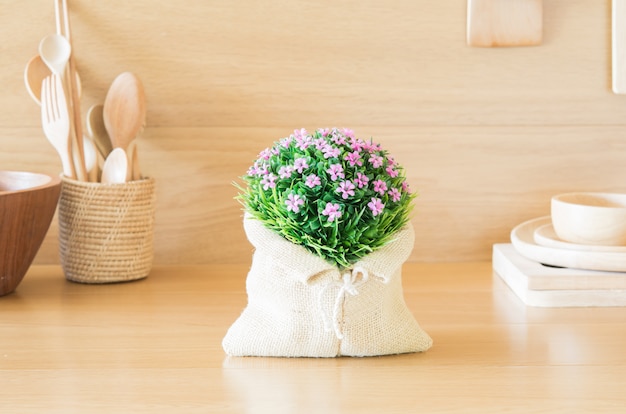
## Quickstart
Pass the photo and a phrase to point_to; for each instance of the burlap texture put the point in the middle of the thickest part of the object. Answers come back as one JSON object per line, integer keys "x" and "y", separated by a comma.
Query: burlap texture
{"x": 299, "y": 305}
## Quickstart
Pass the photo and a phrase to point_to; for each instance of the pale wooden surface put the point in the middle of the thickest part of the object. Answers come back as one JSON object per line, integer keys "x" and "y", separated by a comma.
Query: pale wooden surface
{"x": 154, "y": 346}
{"x": 487, "y": 135}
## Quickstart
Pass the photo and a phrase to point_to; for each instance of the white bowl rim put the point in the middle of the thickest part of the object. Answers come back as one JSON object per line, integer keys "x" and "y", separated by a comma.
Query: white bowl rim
{"x": 618, "y": 198}
{"x": 25, "y": 181}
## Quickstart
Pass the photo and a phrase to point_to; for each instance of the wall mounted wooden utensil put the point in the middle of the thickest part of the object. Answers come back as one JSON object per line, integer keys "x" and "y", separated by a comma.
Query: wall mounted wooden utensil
{"x": 492, "y": 23}
{"x": 618, "y": 46}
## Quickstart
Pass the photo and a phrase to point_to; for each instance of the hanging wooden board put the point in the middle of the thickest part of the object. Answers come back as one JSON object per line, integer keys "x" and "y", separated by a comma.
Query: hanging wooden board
{"x": 619, "y": 46}
{"x": 496, "y": 23}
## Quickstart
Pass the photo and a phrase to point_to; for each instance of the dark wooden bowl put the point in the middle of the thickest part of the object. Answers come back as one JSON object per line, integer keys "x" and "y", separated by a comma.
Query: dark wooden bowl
{"x": 27, "y": 204}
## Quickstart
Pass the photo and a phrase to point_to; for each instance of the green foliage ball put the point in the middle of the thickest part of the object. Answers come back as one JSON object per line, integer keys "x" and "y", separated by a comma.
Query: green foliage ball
{"x": 337, "y": 195}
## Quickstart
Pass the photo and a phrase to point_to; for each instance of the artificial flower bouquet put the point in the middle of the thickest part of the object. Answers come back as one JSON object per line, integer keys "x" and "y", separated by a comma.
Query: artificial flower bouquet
{"x": 328, "y": 215}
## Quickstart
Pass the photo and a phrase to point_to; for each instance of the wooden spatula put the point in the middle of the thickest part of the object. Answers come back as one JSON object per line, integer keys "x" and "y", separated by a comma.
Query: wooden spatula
{"x": 493, "y": 23}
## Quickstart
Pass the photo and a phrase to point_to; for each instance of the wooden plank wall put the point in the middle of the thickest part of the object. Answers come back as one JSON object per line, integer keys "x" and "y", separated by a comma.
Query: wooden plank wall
{"x": 486, "y": 135}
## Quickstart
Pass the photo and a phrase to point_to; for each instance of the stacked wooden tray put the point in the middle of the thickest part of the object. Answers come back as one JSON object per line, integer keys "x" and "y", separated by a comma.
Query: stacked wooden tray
{"x": 553, "y": 274}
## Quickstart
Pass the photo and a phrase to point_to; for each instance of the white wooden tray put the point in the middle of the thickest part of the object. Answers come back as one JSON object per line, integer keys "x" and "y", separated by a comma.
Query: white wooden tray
{"x": 543, "y": 286}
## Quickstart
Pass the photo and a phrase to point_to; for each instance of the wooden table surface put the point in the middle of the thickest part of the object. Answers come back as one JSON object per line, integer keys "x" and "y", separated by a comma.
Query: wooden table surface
{"x": 155, "y": 346}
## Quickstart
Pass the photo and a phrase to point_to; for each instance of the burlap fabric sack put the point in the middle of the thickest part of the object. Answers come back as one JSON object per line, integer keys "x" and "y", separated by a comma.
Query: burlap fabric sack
{"x": 299, "y": 305}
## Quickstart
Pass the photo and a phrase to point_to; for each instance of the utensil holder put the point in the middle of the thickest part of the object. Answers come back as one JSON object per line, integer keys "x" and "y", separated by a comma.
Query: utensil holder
{"x": 106, "y": 230}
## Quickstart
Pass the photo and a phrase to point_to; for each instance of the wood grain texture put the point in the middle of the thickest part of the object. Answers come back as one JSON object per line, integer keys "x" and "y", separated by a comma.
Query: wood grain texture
{"x": 487, "y": 135}
{"x": 27, "y": 205}
{"x": 475, "y": 184}
{"x": 155, "y": 346}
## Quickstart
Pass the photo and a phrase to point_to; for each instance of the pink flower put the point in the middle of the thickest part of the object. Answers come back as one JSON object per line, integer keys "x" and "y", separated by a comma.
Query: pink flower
{"x": 303, "y": 143}
{"x": 330, "y": 151}
{"x": 320, "y": 143}
{"x": 346, "y": 188}
{"x": 376, "y": 160}
{"x": 348, "y": 132}
{"x": 300, "y": 164}
{"x": 301, "y": 133}
{"x": 361, "y": 180}
{"x": 405, "y": 187}
{"x": 257, "y": 169}
{"x": 380, "y": 186}
{"x": 338, "y": 138}
{"x": 252, "y": 170}
{"x": 293, "y": 202}
{"x": 357, "y": 144}
{"x": 394, "y": 194}
{"x": 392, "y": 173}
{"x": 354, "y": 158}
{"x": 372, "y": 147}
{"x": 265, "y": 154}
{"x": 285, "y": 171}
{"x": 335, "y": 171}
{"x": 302, "y": 139}
{"x": 285, "y": 142}
{"x": 268, "y": 181}
{"x": 332, "y": 211}
{"x": 323, "y": 131}
{"x": 376, "y": 206}
{"x": 312, "y": 181}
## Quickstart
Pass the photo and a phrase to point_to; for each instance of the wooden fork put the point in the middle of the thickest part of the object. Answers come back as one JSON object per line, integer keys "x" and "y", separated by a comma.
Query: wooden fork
{"x": 55, "y": 120}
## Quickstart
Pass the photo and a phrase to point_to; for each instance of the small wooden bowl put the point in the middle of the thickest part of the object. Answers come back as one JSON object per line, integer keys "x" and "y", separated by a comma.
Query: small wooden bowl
{"x": 27, "y": 204}
{"x": 590, "y": 218}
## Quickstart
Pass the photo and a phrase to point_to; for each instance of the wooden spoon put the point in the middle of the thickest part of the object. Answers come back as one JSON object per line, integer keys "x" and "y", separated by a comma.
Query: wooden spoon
{"x": 115, "y": 167}
{"x": 91, "y": 159}
{"x": 97, "y": 131}
{"x": 55, "y": 51}
{"x": 35, "y": 72}
{"x": 124, "y": 110}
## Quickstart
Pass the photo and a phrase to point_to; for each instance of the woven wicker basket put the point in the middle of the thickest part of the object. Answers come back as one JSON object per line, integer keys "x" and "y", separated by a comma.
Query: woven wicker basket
{"x": 106, "y": 230}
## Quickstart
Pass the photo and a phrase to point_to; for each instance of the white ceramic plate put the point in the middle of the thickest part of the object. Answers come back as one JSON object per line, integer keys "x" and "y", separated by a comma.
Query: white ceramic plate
{"x": 522, "y": 238}
{"x": 546, "y": 236}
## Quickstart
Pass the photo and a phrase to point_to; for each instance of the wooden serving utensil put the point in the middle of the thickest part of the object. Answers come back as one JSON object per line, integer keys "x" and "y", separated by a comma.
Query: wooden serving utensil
{"x": 55, "y": 51}
{"x": 97, "y": 131}
{"x": 125, "y": 111}
{"x": 35, "y": 72}
{"x": 115, "y": 169}
{"x": 618, "y": 46}
{"x": 492, "y": 23}
{"x": 77, "y": 141}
